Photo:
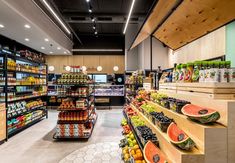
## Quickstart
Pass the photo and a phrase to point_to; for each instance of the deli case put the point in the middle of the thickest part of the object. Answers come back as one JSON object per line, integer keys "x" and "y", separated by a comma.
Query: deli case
{"x": 109, "y": 95}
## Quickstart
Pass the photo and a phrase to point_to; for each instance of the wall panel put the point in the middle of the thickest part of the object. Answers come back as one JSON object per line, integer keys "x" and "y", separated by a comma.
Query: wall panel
{"x": 91, "y": 61}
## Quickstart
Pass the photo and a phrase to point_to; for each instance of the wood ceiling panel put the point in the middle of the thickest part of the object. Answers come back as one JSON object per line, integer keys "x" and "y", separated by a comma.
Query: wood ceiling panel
{"x": 193, "y": 19}
{"x": 158, "y": 14}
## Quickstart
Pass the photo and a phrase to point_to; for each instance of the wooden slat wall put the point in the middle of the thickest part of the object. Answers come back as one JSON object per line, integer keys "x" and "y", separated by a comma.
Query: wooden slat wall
{"x": 106, "y": 61}
{"x": 209, "y": 46}
{"x": 160, "y": 11}
{"x": 193, "y": 19}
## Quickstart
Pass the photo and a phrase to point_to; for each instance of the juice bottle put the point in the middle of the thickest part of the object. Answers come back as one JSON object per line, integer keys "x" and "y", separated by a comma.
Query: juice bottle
{"x": 196, "y": 70}
{"x": 188, "y": 72}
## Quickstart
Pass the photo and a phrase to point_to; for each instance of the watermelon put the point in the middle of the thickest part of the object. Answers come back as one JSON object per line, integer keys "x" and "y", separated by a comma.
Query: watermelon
{"x": 153, "y": 154}
{"x": 201, "y": 114}
{"x": 179, "y": 138}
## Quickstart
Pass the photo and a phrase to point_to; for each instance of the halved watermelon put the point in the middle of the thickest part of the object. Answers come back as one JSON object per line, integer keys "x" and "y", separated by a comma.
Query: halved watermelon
{"x": 153, "y": 154}
{"x": 201, "y": 114}
{"x": 179, "y": 137}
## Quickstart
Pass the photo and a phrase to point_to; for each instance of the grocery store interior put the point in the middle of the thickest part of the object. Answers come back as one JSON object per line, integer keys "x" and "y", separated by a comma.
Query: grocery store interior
{"x": 117, "y": 81}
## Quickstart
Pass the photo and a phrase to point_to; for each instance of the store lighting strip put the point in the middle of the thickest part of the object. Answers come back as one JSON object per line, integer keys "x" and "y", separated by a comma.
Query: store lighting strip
{"x": 97, "y": 50}
{"x": 129, "y": 16}
{"x": 56, "y": 16}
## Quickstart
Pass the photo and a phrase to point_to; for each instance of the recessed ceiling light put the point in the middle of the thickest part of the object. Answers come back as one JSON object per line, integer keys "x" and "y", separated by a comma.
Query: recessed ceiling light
{"x": 92, "y": 19}
{"x": 94, "y": 26}
{"x": 42, "y": 47}
{"x": 26, "y": 39}
{"x": 96, "y": 32}
{"x": 90, "y": 9}
{"x": 2, "y": 26}
{"x": 51, "y": 52}
{"x": 46, "y": 39}
{"x": 65, "y": 52}
{"x": 27, "y": 26}
{"x": 87, "y": 0}
{"x": 58, "y": 48}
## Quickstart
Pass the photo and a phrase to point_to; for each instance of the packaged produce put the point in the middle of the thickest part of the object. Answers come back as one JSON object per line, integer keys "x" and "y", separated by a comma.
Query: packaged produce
{"x": 182, "y": 72}
{"x": 208, "y": 71}
{"x": 176, "y": 105}
{"x": 188, "y": 72}
{"x": 196, "y": 71}
{"x": 160, "y": 120}
{"x": 177, "y": 72}
{"x": 224, "y": 71}
{"x": 214, "y": 72}
{"x": 232, "y": 75}
{"x": 203, "y": 72}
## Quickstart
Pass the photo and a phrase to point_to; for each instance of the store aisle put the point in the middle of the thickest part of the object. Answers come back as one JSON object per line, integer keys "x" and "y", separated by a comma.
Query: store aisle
{"x": 35, "y": 144}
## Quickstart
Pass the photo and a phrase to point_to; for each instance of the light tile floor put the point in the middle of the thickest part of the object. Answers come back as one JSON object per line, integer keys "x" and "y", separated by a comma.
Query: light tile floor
{"x": 36, "y": 145}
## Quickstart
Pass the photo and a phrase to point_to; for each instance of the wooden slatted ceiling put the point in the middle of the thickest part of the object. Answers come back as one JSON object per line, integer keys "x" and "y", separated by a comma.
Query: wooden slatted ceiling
{"x": 193, "y": 19}
{"x": 159, "y": 13}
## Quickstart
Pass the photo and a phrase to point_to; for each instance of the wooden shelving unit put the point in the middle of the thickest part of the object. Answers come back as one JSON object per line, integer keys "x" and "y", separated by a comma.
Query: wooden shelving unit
{"x": 217, "y": 141}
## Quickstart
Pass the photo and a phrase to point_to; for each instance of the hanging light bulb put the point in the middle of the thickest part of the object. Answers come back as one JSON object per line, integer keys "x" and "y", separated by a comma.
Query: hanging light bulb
{"x": 51, "y": 68}
{"x": 115, "y": 68}
{"x": 67, "y": 68}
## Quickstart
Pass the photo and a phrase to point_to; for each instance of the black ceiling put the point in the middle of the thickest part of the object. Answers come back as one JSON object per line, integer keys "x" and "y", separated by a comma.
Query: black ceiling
{"x": 110, "y": 16}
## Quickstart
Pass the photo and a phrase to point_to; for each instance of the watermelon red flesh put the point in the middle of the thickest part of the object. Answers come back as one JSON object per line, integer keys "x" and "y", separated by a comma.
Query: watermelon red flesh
{"x": 203, "y": 115}
{"x": 150, "y": 150}
{"x": 174, "y": 131}
{"x": 194, "y": 110}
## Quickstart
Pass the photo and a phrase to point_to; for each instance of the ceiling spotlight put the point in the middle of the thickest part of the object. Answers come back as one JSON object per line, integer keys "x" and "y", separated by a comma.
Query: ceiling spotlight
{"x": 90, "y": 9}
{"x": 58, "y": 48}
{"x": 26, "y": 39}
{"x": 42, "y": 47}
{"x": 27, "y": 26}
{"x": 51, "y": 52}
{"x": 94, "y": 26}
{"x": 65, "y": 52}
{"x": 92, "y": 19}
{"x": 46, "y": 39}
{"x": 87, "y": 0}
{"x": 96, "y": 32}
{"x": 1, "y": 26}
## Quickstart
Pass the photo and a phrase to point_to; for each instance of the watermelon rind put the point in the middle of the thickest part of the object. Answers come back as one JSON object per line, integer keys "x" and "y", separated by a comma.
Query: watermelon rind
{"x": 186, "y": 144}
{"x": 206, "y": 118}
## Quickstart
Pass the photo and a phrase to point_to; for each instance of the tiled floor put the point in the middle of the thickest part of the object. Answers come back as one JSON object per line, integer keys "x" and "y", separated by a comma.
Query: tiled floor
{"x": 36, "y": 145}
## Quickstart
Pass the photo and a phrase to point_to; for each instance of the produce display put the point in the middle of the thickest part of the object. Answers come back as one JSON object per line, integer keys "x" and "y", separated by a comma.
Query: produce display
{"x": 160, "y": 120}
{"x": 135, "y": 78}
{"x": 31, "y": 80}
{"x": 73, "y": 130}
{"x": 179, "y": 138}
{"x": 200, "y": 114}
{"x": 129, "y": 111}
{"x": 173, "y": 104}
{"x": 145, "y": 134}
{"x": 21, "y": 121}
{"x": 137, "y": 121}
{"x": 152, "y": 154}
{"x": 74, "y": 78}
{"x": 30, "y": 68}
{"x": 204, "y": 71}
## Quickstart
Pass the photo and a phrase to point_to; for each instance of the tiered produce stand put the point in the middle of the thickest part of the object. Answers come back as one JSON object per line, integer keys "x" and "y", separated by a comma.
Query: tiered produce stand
{"x": 214, "y": 141}
{"x": 77, "y": 115}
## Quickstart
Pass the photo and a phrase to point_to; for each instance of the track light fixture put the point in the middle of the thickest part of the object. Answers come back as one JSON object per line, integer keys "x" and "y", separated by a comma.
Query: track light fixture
{"x": 90, "y": 9}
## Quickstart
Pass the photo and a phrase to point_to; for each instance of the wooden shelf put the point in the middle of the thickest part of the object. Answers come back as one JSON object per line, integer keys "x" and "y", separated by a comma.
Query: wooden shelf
{"x": 200, "y": 134}
{"x": 227, "y": 118}
{"x": 174, "y": 154}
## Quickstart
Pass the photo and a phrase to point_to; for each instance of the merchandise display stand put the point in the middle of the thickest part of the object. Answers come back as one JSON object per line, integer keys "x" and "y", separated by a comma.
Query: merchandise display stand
{"x": 223, "y": 137}
{"x": 77, "y": 116}
{"x": 24, "y": 85}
